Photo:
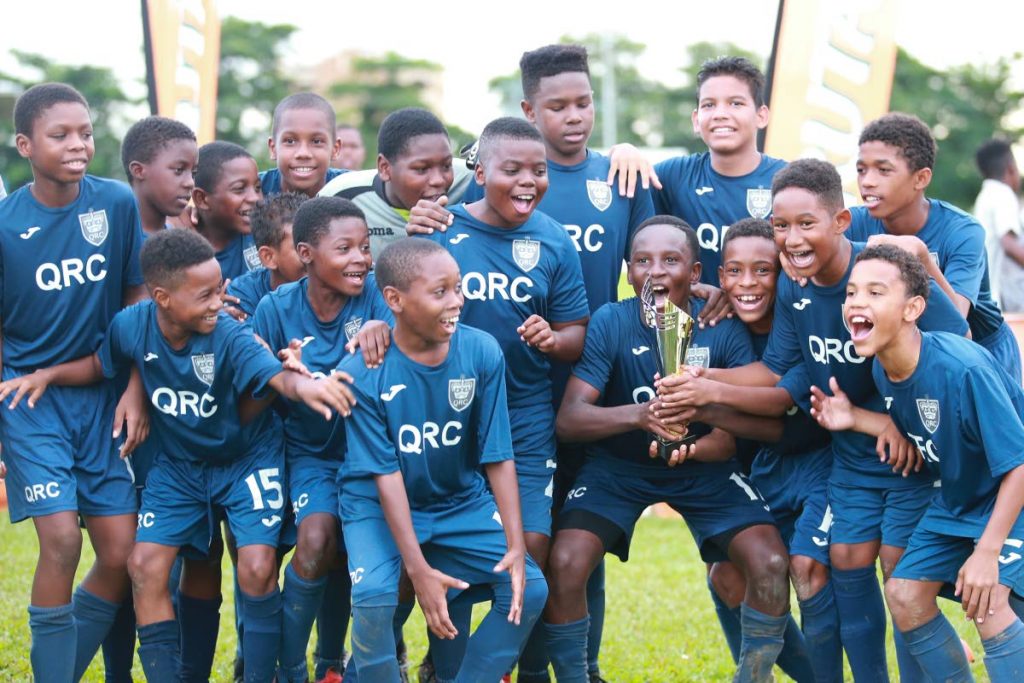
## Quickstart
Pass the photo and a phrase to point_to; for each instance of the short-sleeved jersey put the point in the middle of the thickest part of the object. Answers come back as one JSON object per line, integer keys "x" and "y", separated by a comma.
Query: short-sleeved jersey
{"x": 965, "y": 415}
{"x": 194, "y": 390}
{"x": 509, "y": 275}
{"x": 64, "y": 271}
{"x": 710, "y": 202}
{"x": 435, "y": 424}
{"x": 250, "y": 288}
{"x": 239, "y": 257}
{"x": 956, "y": 242}
{"x": 270, "y": 180}
{"x": 620, "y": 360}
{"x": 809, "y": 328}
{"x": 801, "y": 433}
{"x": 386, "y": 222}
{"x": 286, "y": 314}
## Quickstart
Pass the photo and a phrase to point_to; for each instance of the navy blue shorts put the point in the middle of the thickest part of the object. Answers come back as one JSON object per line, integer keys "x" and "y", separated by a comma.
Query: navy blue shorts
{"x": 1003, "y": 346}
{"x": 934, "y": 556}
{"x": 715, "y": 507}
{"x": 861, "y": 514}
{"x": 60, "y": 455}
{"x": 464, "y": 541}
{"x": 184, "y": 501}
{"x": 312, "y": 484}
{"x": 533, "y": 441}
{"x": 796, "y": 489}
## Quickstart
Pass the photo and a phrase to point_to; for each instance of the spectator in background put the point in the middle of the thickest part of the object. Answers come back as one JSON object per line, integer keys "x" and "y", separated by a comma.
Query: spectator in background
{"x": 353, "y": 152}
{"x": 998, "y": 209}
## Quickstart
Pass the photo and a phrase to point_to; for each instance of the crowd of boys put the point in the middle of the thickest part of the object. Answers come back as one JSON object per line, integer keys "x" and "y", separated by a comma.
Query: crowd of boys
{"x": 421, "y": 380}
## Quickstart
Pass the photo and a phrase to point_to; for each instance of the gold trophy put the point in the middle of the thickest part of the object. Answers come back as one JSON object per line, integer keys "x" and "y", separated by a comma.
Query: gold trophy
{"x": 673, "y": 330}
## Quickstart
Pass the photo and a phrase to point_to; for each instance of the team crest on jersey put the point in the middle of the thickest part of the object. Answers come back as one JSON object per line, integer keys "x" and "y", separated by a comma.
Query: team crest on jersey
{"x": 600, "y": 194}
{"x": 352, "y": 328}
{"x": 759, "y": 202}
{"x": 928, "y": 409}
{"x": 202, "y": 365}
{"x": 94, "y": 226}
{"x": 461, "y": 392}
{"x": 526, "y": 254}
{"x": 251, "y": 255}
{"x": 698, "y": 356}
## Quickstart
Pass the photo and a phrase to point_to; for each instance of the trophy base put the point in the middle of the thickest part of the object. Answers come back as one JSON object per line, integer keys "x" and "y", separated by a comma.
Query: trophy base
{"x": 665, "y": 448}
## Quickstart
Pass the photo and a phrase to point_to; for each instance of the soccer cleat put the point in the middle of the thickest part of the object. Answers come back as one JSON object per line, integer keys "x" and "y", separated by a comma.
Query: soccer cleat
{"x": 331, "y": 676}
{"x": 968, "y": 652}
{"x": 403, "y": 662}
{"x": 507, "y": 678}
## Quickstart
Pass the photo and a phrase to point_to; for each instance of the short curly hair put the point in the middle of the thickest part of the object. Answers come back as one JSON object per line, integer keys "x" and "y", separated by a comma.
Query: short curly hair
{"x": 401, "y": 262}
{"x": 907, "y": 133}
{"x": 271, "y": 214}
{"x": 148, "y": 136}
{"x": 551, "y": 60}
{"x": 33, "y": 102}
{"x": 738, "y": 67}
{"x": 912, "y": 272}
{"x": 749, "y": 227}
{"x": 313, "y": 218}
{"x": 820, "y": 178}
{"x": 692, "y": 244}
{"x": 168, "y": 254}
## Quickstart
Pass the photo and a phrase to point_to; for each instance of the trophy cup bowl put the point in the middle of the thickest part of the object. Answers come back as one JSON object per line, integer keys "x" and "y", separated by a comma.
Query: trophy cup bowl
{"x": 673, "y": 331}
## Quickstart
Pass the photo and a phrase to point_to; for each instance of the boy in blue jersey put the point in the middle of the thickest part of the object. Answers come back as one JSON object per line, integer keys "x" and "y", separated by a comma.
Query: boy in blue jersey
{"x": 271, "y": 219}
{"x": 894, "y": 167}
{"x": 732, "y": 180}
{"x": 69, "y": 259}
{"x": 607, "y": 405}
{"x": 333, "y": 310}
{"x": 159, "y": 156}
{"x": 964, "y": 414}
{"x": 523, "y": 284}
{"x": 196, "y": 367}
{"x": 227, "y": 187}
{"x": 809, "y": 222}
{"x": 791, "y": 473}
{"x": 413, "y": 467}
{"x": 303, "y": 142}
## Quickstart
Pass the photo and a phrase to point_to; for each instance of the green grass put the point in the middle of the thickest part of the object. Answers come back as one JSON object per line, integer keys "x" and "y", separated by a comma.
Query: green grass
{"x": 660, "y": 624}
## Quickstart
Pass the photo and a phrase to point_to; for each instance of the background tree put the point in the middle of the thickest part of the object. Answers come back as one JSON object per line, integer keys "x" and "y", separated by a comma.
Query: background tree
{"x": 252, "y": 81}
{"x": 964, "y": 106}
{"x": 110, "y": 108}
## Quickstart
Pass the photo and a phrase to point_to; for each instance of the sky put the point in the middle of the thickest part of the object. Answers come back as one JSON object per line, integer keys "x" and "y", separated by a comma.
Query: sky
{"x": 473, "y": 48}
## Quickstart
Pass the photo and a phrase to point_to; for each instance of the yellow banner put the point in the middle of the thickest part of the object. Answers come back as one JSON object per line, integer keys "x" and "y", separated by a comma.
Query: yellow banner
{"x": 182, "y": 57}
{"x": 832, "y": 73}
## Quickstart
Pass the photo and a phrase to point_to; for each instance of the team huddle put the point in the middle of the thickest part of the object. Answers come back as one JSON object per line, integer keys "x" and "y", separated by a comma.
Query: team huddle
{"x": 420, "y": 379}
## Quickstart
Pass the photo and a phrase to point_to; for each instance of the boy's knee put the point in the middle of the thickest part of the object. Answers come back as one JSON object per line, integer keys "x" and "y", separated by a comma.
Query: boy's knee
{"x": 907, "y": 601}
{"x": 61, "y": 547}
{"x": 316, "y": 545}
{"x": 728, "y": 583}
{"x": 142, "y": 567}
{"x": 568, "y": 570}
{"x": 769, "y": 578}
{"x": 257, "y": 570}
{"x": 809, "y": 576}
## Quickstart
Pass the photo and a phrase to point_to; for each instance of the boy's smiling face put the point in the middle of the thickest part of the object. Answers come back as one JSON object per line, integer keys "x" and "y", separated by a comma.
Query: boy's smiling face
{"x": 514, "y": 174}
{"x": 727, "y": 118}
{"x": 235, "y": 193}
{"x": 662, "y": 253}
{"x": 423, "y": 170}
{"x": 886, "y": 183}
{"x": 168, "y": 178}
{"x": 877, "y": 306}
{"x": 194, "y": 302}
{"x": 303, "y": 148}
{"x": 61, "y": 144}
{"x": 341, "y": 257}
{"x": 749, "y": 275}
{"x": 807, "y": 231}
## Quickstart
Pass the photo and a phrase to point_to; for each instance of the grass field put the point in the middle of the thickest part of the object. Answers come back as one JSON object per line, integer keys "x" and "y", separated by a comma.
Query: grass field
{"x": 660, "y": 624}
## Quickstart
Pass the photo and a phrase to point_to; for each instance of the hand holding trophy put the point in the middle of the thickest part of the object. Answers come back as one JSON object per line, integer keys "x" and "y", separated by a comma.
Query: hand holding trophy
{"x": 673, "y": 331}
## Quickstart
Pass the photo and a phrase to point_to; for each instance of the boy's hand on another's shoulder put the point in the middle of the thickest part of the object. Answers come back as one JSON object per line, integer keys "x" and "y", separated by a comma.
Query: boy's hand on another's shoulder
{"x": 909, "y": 243}
{"x": 514, "y": 562}
{"x": 231, "y": 303}
{"x": 790, "y": 271}
{"x": 32, "y": 385}
{"x": 427, "y": 216}
{"x": 718, "y": 306}
{"x": 537, "y": 332}
{"x": 331, "y": 392}
{"x": 432, "y": 593}
{"x": 627, "y": 163}
{"x": 374, "y": 338}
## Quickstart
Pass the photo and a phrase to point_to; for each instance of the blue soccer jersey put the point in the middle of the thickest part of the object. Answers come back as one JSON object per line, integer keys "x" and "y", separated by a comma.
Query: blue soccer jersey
{"x": 64, "y": 271}
{"x": 195, "y": 390}
{"x": 270, "y": 180}
{"x": 239, "y": 257}
{"x": 509, "y": 275}
{"x": 964, "y": 414}
{"x": 956, "y": 242}
{"x": 250, "y": 288}
{"x": 435, "y": 424}
{"x": 620, "y": 361}
{"x": 710, "y": 202}
{"x": 809, "y": 328}
{"x": 285, "y": 315}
